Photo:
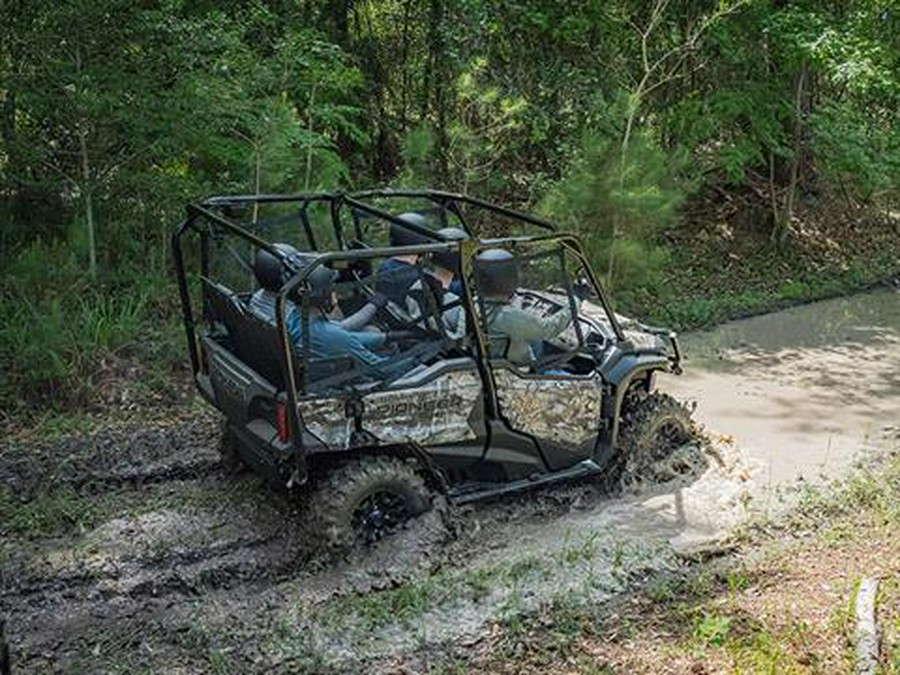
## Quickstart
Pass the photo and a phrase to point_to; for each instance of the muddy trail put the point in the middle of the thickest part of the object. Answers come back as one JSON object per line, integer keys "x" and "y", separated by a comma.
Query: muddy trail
{"x": 133, "y": 550}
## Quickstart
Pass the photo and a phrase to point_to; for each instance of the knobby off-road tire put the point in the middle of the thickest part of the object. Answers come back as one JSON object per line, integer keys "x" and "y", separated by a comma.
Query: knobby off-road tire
{"x": 362, "y": 500}
{"x": 652, "y": 426}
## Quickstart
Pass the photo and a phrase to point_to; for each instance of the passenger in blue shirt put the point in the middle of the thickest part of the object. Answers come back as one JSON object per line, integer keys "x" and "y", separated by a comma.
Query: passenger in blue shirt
{"x": 271, "y": 273}
{"x": 328, "y": 339}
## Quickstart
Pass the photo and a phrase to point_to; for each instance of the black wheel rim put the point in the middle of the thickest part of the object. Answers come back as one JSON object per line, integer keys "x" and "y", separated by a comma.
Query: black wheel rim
{"x": 379, "y": 514}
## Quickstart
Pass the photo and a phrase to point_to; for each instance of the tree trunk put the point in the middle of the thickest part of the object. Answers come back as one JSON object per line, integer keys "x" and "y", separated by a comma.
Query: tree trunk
{"x": 404, "y": 66}
{"x": 88, "y": 202}
{"x": 436, "y": 73}
{"x": 781, "y": 227}
{"x": 340, "y": 11}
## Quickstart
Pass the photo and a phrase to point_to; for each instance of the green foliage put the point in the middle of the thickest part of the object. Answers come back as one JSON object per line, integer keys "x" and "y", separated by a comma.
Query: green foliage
{"x": 57, "y": 329}
{"x": 856, "y": 149}
{"x": 712, "y": 629}
{"x": 478, "y": 137}
{"x": 619, "y": 200}
{"x": 48, "y": 513}
{"x": 418, "y": 157}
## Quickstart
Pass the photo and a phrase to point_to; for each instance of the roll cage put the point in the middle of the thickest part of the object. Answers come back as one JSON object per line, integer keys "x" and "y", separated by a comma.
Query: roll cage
{"x": 357, "y": 203}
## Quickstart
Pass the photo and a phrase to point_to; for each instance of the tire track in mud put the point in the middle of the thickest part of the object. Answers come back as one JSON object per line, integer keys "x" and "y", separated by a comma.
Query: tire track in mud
{"x": 181, "y": 538}
{"x": 130, "y": 455}
{"x": 214, "y": 567}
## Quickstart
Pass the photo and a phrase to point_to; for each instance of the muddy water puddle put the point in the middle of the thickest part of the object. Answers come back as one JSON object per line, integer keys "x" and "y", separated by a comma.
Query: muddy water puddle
{"x": 186, "y": 569}
{"x": 804, "y": 389}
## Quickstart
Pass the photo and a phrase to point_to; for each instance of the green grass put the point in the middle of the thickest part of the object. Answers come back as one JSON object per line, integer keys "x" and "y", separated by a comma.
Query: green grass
{"x": 51, "y": 512}
{"x": 712, "y": 629}
{"x": 65, "y": 336}
{"x": 409, "y": 601}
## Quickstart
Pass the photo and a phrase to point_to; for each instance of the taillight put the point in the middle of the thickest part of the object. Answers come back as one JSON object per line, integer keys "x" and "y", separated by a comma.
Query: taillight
{"x": 281, "y": 423}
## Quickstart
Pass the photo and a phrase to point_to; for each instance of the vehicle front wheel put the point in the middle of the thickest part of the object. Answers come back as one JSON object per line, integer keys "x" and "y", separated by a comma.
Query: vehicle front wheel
{"x": 364, "y": 499}
{"x": 652, "y": 427}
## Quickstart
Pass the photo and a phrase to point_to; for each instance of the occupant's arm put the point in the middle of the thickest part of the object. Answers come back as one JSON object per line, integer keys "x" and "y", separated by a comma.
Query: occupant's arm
{"x": 526, "y": 326}
{"x": 293, "y": 327}
{"x": 365, "y": 314}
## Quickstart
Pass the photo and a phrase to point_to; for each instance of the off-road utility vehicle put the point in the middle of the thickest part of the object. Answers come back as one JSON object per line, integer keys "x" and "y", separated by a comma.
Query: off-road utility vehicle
{"x": 366, "y": 446}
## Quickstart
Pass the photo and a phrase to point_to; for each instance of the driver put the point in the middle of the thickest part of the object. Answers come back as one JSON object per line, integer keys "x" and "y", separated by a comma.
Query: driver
{"x": 497, "y": 277}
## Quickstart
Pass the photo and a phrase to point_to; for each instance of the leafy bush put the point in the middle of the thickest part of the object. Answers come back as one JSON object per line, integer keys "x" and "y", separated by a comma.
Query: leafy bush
{"x": 856, "y": 150}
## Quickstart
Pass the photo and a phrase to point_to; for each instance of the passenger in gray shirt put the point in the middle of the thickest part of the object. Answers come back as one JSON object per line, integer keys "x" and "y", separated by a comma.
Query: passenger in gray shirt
{"x": 497, "y": 277}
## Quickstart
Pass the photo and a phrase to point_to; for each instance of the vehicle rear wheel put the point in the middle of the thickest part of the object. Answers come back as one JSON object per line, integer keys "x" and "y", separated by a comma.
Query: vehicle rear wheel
{"x": 652, "y": 427}
{"x": 365, "y": 499}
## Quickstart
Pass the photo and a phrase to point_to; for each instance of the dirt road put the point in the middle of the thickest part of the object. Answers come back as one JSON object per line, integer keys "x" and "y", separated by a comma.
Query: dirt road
{"x": 132, "y": 551}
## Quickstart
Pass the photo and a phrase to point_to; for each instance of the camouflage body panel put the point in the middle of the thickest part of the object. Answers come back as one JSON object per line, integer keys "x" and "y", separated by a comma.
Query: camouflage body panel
{"x": 436, "y": 413}
{"x": 566, "y": 411}
{"x": 598, "y": 315}
{"x": 326, "y": 419}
